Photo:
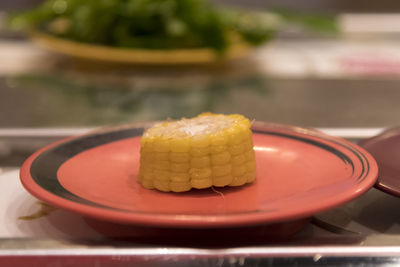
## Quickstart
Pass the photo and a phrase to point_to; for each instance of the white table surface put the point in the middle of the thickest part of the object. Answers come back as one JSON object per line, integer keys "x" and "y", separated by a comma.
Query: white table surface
{"x": 16, "y": 202}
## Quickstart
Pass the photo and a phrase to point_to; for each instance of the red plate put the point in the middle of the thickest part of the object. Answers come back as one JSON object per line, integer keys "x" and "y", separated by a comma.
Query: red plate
{"x": 385, "y": 148}
{"x": 299, "y": 172}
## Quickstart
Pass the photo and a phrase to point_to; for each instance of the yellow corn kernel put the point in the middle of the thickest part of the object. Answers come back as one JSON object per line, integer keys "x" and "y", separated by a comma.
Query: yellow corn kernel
{"x": 161, "y": 145}
{"x": 180, "y": 176}
{"x": 179, "y": 167}
{"x": 147, "y": 183}
{"x": 238, "y": 170}
{"x": 239, "y": 133}
{"x": 248, "y": 145}
{"x": 159, "y": 156}
{"x": 180, "y": 145}
{"x": 199, "y": 173}
{"x": 221, "y": 158}
{"x": 147, "y": 178}
{"x": 161, "y": 165}
{"x": 146, "y": 165}
{"x": 250, "y": 176}
{"x": 147, "y": 157}
{"x": 179, "y": 157}
{"x": 249, "y": 155}
{"x": 145, "y": 162}
{"x": 147, "y": 145}
{"x": 200, "y": 141}
{"x": 236, "y": 149}
{"x": 238, "y": 180}
{"x": 222, "y": 180}
{"x": 249, "y": 135}
{"x": 199, "y": 151}
{"x": 161, "y": 175}
{"x": 142, "y": 142}
{"x": 146, "y": 171}
{"x": 162, "y": 185}
{"x": 200, "y": 162}
{"x": 180, "y": 186}
{"x": 250, "y": 166}
{"x": 218, "y": 149}
{"x": 246, "y": 124}
{"x": 221, "y": 170}
{"x": 219, "y": 139}
{"x": 234, "y": 135}
{"x": 145, "y": 140}
{"x": 238, "y": 159}
{"x": 201, "y": 183}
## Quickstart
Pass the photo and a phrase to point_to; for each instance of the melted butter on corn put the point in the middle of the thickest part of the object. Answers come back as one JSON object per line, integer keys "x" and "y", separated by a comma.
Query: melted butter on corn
{"x": 208, "y": 150}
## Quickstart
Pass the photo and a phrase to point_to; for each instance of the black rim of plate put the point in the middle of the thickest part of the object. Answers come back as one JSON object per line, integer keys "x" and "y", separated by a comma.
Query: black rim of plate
{"x": 44, "y": 167}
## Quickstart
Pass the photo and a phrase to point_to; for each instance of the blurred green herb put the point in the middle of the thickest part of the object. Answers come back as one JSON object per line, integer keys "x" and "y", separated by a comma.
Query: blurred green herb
{"x": 322, "y": 23}
{"x": 160, "y": 24}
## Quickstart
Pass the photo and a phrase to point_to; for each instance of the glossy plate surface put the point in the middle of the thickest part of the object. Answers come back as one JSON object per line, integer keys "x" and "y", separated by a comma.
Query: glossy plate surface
{"x": 385, "y": 148}
{"x": 299, "y": 172}
{"x": 136, "y": 56}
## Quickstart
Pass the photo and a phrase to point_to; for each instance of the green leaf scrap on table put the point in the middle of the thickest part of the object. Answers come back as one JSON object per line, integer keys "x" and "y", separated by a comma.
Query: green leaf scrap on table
{"x": 45, "y": 210}
{"x": 160, "y": 24}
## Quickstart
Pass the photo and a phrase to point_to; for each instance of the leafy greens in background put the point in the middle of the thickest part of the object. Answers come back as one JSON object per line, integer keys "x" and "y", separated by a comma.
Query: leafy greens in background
{"x": 160, "y": 24}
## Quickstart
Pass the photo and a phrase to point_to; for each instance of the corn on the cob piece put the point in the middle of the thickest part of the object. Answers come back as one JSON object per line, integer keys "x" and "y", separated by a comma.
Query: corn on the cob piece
{"x": 208, "y": 150}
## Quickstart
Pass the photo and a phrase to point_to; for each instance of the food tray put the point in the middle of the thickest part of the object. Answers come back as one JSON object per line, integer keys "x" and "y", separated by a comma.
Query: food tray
{"x": 364, "y": 231}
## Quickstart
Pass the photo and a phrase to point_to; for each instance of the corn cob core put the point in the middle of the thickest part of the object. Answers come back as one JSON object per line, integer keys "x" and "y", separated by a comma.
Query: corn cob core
{"x": 208, "y": 150}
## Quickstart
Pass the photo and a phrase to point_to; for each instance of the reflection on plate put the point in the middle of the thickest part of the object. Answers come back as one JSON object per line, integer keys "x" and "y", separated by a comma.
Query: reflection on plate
{"x": 137, "y": 56}
{"x": 385, "y": 148}
{"x": 299, "y": 172}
